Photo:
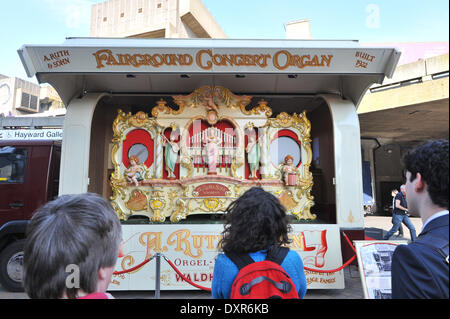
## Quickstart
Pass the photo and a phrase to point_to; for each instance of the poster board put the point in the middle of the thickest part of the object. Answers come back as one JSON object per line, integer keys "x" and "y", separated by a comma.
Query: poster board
{"x": 375, "y": 260}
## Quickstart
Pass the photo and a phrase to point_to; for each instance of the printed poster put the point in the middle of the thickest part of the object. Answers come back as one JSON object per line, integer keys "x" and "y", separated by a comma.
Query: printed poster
{"x": 375, "y": 260}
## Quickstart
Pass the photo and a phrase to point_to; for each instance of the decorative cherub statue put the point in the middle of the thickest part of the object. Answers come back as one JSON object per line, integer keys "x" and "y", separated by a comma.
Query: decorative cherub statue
{"x": 133, "y": 172}
{"x": 209, "y": 101}
{"x": 289, "y": 171}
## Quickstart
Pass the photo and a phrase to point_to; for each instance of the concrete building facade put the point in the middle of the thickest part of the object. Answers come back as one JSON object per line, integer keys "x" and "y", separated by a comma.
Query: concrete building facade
{"x": 19, "y": 97}
{"x": 402, "y": 112}
{"x": 154, "y": 19}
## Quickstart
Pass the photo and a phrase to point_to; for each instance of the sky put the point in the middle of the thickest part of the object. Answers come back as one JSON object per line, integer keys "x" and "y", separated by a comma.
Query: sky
{"x": 369, "y": 21}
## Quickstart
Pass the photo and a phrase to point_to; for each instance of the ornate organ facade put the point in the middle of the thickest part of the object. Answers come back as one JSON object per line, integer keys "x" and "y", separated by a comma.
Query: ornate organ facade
{"x": 199, "y": 155}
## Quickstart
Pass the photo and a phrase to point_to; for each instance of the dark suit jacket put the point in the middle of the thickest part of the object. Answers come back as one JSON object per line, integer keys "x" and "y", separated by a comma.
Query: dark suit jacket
{"x": 418, "y": 271}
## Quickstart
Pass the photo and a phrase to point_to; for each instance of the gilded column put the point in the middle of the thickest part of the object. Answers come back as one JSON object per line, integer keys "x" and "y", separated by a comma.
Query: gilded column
{"x": 159, "y": 154}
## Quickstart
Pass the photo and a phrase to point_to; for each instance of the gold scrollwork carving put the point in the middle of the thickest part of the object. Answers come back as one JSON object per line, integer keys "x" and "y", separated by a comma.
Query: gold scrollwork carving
{"x": 212, "y": 205}
{"x": 261, "y": 108}
{"x": 235, "y": 164}
{"x": 186, "y": 162}
{"x": 157, "y": 204}
{"x": 211, "y": 96}
{"x": 180, "y": 212}
{"x": 162, "y": 108}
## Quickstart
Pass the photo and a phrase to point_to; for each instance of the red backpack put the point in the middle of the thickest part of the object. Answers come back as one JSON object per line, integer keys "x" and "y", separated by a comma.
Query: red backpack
{"x": 263, "y": 279}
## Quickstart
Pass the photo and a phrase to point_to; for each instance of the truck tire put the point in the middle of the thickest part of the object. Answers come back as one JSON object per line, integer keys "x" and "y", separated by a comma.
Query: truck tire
{"x": 11, "y": 266}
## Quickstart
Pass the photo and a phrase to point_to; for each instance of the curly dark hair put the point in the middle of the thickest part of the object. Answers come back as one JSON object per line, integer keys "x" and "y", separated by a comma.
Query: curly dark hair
{"x": 253, "y": 222}
{"x": 431, "y": 161}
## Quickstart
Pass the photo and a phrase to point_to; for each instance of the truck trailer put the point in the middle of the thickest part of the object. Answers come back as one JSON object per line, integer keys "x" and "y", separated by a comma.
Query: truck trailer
{"x": 171, "y": 131}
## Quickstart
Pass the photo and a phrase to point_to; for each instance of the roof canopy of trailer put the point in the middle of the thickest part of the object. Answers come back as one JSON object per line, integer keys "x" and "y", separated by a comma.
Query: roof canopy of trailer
{"x": 143, "y": 66}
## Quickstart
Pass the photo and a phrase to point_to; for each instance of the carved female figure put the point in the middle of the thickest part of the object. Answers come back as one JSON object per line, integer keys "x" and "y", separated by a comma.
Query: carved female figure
{"x": 253, "y": 155}
{"x": 212, "y": 151}
{"x": 171, "y": 149}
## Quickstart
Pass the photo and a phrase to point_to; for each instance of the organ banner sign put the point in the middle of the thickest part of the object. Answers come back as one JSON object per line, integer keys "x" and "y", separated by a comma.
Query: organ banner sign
{"x": 192, "y": 248}
{"x": 200, "y": 60}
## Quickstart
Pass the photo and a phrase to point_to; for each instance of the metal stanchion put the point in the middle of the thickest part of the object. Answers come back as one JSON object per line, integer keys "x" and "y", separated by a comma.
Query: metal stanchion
{"x": 158, "y": 276}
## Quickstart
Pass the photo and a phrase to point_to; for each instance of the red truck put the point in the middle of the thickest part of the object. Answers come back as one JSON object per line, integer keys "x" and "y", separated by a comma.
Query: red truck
{"x": 29, "y": 177}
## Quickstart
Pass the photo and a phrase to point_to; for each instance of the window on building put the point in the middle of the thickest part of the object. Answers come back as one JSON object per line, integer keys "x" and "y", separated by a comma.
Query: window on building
{"x": 105, "y": 19}
{"x": 34, "y": 102}
{"x": 12, "y": 164}
{"x": 122, "y": 15}
{"x": 159, "y": 5}
{"x": 25, "y": 102}
{"x": 29, "y": 101}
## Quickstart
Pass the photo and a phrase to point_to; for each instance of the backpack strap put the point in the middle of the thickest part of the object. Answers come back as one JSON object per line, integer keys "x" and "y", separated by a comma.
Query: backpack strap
{"x": 439, "y": 244}
{"x": 240, "y": 260}
{"x": 277, "y": 254}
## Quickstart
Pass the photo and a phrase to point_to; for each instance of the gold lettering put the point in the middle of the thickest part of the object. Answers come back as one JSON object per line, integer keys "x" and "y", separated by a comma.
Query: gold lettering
{"x": 327, "y": 59}
{"x": 264, "y": 58}
{"x": 181, "y": 239}
{"x": 219, "y": 59}
{"x": 276, "y": 59}
{"x": 302, "y": 61}
{"x": 297, "y": 242}
{"x": 210, "y": 239}
{"x": 197, "y": 241}
{"x": 170, "y": 59}
{"x": 185, "y": 59}
{"x": 104, "y": 55}
{"x": 139, "y": 60}
{"x": 156, "y": 63}
{"x": 151, "y": 240}
{"x": 315, "y": 61}
{"x": 205, "y": 59}
{"x": 208, "y": 65}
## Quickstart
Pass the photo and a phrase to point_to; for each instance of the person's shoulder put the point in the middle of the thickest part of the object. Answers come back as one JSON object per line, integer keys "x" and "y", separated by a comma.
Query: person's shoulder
{"x": 222, "y": 257}
{"x": 293, "y": 257}
{"x": 406, "y": 258}
{"x": 224, "y": 261}
{"x": 97, "y": 295}
{"x": 403, "y": 249}
{"x": 412, "y": 255}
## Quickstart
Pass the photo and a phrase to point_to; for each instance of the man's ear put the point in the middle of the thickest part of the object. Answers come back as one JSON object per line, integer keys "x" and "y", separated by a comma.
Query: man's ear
{"x": 102, "y": 274}
{"x": 420, "y": 184}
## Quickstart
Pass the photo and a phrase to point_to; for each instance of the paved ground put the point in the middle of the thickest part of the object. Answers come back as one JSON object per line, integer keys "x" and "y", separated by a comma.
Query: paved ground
{"x": 376, "y": 227}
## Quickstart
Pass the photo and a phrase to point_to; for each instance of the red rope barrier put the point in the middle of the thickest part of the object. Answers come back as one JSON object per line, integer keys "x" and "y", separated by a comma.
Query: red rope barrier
{"x": 184, "y": 278}
{"x": 132, "y": 269}
{"x": 332, "y": 270}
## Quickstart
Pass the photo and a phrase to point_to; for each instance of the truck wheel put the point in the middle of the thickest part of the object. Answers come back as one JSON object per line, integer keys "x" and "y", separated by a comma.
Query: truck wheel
{"x": 11, "y": 267}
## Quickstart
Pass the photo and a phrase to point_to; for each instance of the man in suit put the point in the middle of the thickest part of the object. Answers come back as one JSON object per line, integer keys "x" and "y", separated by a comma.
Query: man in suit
{"x": 421, "y": 269}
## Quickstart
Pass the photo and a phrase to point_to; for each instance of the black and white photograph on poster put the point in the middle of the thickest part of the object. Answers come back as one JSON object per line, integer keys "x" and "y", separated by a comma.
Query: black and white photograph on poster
{"x": 374, "y": 260}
